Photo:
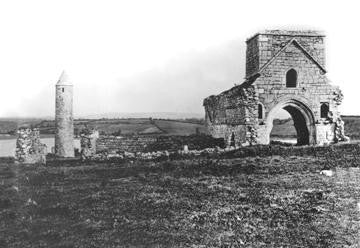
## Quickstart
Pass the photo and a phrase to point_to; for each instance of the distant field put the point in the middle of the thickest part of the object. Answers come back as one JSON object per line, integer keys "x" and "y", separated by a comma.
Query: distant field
{"x": 179, "y": 128}
{"x": 352, "y": 126}
{"x": 281, "y": 128}
{"x": 114, "y": 126}
{"x": 285, "y": 128}
{"x": 247, "y": 202}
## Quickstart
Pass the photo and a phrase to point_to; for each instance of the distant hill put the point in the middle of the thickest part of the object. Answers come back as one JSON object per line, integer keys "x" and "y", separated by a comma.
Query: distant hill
{"x": 113, "y": 126}
{"x": 283, "y": 128}
{"x": 157, "y": 115}
{"x": 10, "y": 125}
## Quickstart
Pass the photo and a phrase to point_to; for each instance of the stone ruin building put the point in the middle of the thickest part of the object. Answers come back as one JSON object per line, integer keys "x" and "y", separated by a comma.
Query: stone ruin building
{"x": 284, "y": 70}
{"x": 64, "y": 123}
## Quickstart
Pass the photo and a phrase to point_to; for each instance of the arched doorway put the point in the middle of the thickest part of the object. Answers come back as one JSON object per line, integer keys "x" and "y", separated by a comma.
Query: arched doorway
{"x": 302, "y": 117}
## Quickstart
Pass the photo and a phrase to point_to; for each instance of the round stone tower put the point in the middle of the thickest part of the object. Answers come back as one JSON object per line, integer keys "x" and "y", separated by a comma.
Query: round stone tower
{"x": 64, "y": 126}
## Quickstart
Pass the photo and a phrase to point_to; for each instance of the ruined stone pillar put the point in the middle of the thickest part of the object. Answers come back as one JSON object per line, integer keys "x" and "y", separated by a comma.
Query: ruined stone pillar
{"x": 29, "y": 149}
{"x": 88, "y": 143}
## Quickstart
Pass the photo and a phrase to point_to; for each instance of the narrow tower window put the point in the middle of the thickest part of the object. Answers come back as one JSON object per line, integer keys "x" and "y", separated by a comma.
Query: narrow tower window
{"x": 62, "y": 89}
{"x": 291, "y": 78}
{"x": 324, "y": 110}
{"x": 260, "y": 111}
{"x": 232, "y": 140}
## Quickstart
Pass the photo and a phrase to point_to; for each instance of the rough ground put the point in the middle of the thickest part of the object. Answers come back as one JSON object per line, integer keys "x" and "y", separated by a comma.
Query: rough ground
{"x": 249, "y": 202}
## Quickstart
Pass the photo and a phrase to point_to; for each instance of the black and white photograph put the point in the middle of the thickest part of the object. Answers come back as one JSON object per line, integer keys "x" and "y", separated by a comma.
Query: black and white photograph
{"x": 178, "y": 123}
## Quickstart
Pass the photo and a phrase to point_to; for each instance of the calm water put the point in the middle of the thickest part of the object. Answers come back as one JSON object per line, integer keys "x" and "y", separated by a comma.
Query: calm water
{"x": 8, "y": 146}
{"x": 286, "y": 140}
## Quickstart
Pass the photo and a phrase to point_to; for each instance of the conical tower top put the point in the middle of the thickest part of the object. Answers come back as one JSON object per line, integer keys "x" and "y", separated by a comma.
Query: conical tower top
{"x": 64, "y": 79}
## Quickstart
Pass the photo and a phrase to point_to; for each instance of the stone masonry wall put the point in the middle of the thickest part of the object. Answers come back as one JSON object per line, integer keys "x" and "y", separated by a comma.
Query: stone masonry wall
{"x": 235, "y": 113}
{"x": 29, "y": 149}
{"x": 312, "y": 83}
{"x": 88, "y": 139}
{"x": 252, "y": 56}
{"x": 264, "y": 45}
{"x": 64, "y": 127}
{"x": 155, "y": 143}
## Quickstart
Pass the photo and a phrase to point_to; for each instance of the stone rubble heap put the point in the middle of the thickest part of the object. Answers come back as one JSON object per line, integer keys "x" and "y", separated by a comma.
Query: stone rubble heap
{"x": 151, "y": 143}
{"x": 158, "y": 154}
{"x": 29, "y": 149}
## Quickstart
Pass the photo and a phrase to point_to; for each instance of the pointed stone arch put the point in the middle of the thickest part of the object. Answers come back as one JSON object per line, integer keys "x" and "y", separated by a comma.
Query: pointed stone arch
{"x": 302, "y": 116}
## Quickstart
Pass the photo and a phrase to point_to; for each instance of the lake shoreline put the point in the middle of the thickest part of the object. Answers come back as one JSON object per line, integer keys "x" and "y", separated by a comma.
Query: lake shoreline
{"x": 8, "y": 145}
{"x": 10, "y": 137}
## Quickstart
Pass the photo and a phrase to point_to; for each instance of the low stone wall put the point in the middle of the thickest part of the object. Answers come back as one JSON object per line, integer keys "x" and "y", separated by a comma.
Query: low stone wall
{"x": 155, "y": 143}
{"x": 341, "y": 154}
{"x": 29, "y": 149}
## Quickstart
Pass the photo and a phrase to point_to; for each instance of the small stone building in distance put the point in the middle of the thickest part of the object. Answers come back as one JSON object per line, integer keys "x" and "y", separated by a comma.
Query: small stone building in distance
{"x": 284, "y": 70}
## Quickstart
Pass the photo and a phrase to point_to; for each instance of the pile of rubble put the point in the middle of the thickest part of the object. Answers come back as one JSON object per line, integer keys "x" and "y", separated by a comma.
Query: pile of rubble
{"x": 29, "y": 149}
{"x": 158, "y": 154}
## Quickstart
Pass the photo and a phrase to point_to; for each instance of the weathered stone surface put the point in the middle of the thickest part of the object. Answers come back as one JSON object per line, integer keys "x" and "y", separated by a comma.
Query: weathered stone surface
{"x": 284, "y": 69}
{"x": 88, "y": 140}
{"x": 29, "y": 149}
{"x": 148, "y": 143}
{"x": 64, "y": 126}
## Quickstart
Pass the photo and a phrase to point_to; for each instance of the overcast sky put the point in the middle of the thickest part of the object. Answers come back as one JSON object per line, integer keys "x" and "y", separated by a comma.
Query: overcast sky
{"x": 154, "y": 56}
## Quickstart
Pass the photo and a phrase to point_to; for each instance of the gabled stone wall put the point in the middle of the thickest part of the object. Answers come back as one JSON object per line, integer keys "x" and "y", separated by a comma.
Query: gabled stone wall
{"x": 312, "y": 83}
{"x": 264, "y": 45}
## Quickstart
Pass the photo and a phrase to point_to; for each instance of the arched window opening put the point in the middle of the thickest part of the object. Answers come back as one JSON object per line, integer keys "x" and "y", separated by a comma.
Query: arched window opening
{"x": 232, "y": 140}
{"x": 291, "y": 78}
{"x": 260, "y": 111}
{"x": 324, "y": 110}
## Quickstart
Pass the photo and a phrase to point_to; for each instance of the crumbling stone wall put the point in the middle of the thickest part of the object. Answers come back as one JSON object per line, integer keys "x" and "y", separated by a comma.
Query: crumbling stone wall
{"x": 232, "y": 114}
{"x": 88, "y": 139}
{"x": 270, "y": 56}
{"x": 149, "y": 143}
{"x": 29, "y": 149}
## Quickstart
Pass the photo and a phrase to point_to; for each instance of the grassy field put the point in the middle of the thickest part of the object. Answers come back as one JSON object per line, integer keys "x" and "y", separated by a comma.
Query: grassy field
{"x": 178, "y": 127}
{"x": 283, "y": 129}
{"x": 249, "y": 202}
{"x": 286, "y": 129}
